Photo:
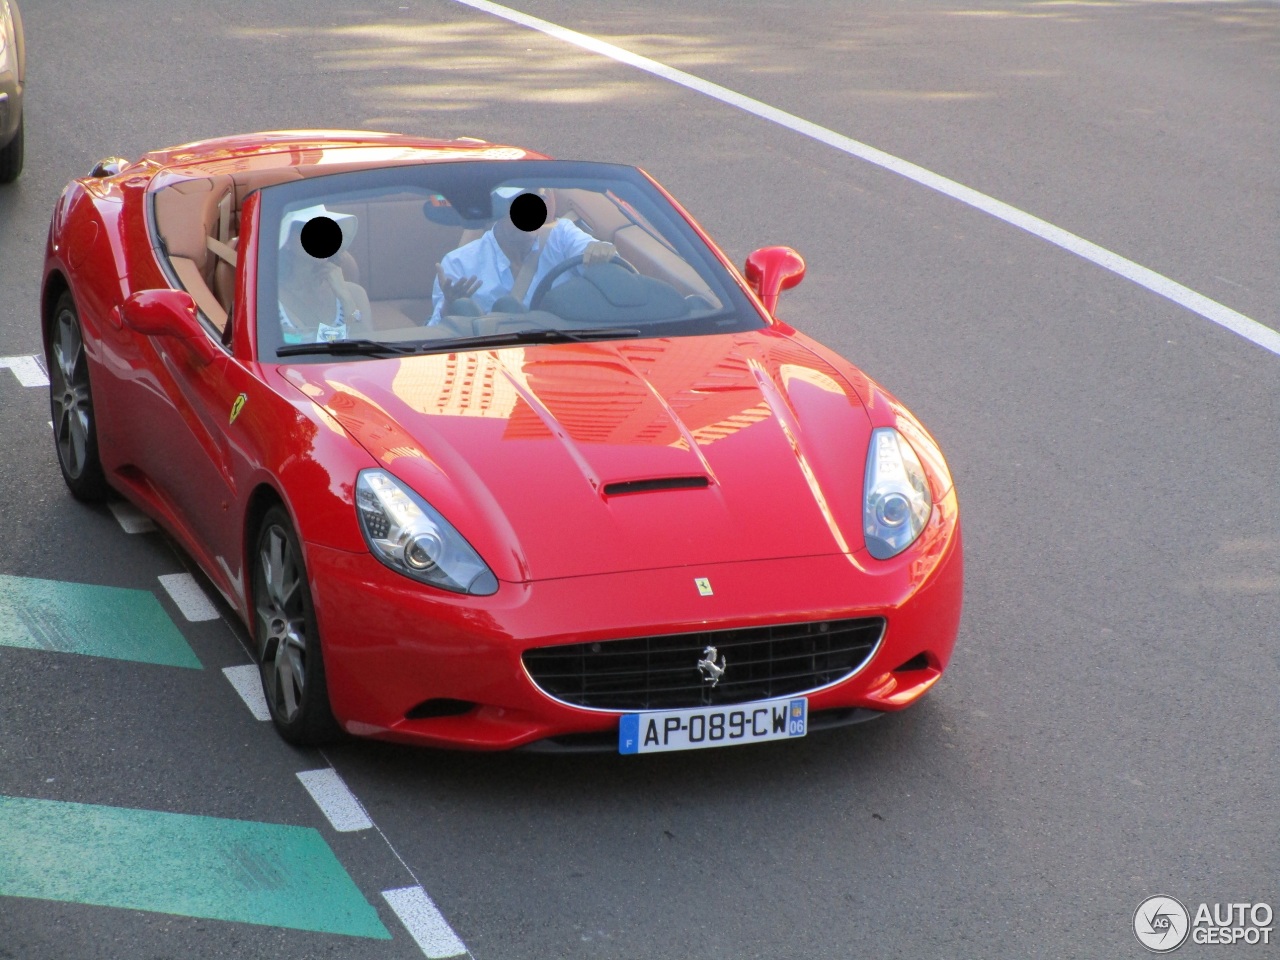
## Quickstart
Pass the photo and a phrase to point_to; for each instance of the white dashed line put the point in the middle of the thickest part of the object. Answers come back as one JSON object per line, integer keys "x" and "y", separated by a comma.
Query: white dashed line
{"x": 186, "y": 593}
{"x": 248, "y": 683}
{"x": 335, "y": 800}
{"x": 1224, "y": 316}
{"x": 425, "y": 923}
{"x": 130, "y": 518}
{"x": 27, "y": 370}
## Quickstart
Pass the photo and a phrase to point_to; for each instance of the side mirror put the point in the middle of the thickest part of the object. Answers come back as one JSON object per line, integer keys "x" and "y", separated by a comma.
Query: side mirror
{"x": 770, "y": 270}
{"x": 169, "y": 313}
{"x": 161, "y": 313}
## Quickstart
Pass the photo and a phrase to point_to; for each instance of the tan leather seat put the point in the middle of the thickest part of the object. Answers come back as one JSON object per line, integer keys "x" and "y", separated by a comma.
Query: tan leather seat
{"x": 398, "y": 249}
{"x": 188, "y": 213}
{"x": 198, "y": 220}
{"x": 224, "y": 274}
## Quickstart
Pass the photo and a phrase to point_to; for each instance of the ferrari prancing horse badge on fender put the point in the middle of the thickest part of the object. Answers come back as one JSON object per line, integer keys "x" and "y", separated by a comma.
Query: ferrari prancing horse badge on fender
{"x": 704, "y": 586}
{"x": 236, "y": 408}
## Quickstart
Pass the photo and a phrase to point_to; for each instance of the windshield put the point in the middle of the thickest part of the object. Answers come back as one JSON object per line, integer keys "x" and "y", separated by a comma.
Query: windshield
{"x": 478, "y": 254}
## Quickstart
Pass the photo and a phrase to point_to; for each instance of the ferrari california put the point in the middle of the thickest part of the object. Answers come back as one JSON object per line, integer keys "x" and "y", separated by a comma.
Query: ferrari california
{"x": 489, "y": 450}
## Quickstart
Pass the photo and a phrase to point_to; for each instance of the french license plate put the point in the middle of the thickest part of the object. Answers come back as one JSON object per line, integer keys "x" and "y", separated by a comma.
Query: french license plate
{"x": 659, "y": 730}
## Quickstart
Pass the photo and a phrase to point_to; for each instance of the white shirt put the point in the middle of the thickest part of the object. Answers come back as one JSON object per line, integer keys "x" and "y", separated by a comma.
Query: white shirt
{"x": 483, "y": 258}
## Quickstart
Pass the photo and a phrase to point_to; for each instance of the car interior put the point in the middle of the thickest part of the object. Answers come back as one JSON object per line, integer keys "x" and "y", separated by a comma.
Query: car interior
{"x": 394, "y": 253}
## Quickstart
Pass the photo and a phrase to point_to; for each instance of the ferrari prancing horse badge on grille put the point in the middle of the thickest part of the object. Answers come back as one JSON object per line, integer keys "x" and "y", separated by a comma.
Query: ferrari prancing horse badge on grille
{"x": 707, "y": 666}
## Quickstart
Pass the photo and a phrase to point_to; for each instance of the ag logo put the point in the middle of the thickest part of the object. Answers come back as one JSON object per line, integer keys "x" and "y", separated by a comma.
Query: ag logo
{"x": 237, "y": 407}
{"x": 1161, "y": 924}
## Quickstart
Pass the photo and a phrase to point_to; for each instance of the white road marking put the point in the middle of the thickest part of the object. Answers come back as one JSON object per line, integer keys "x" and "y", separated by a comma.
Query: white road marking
{"x": 335, "y": 800}
{"x": 130, "y": 518}
{"x": 186, "y": 593}
{"x": 27, "y": 370}
{"x": 425, "y": 923}
{"x": 1224, "y": 316}
{"x": 248, "y": 683}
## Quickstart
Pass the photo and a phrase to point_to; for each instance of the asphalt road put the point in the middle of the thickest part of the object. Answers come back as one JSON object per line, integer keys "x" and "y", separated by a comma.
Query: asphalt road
{"x": 1107, "y": 730}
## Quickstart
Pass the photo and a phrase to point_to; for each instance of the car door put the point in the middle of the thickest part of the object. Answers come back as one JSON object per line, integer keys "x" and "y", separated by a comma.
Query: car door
{"x": 188, "y": 457}
{"x": 223, "y": 419}
{"x": 181, "y": 410}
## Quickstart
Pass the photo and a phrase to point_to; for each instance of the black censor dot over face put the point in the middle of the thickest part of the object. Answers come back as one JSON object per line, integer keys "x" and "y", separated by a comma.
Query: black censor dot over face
{"x": 322, "y": 237}
{"x": 528, "y": 212}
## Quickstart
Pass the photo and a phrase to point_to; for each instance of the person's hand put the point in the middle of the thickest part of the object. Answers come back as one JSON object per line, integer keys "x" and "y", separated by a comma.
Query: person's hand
{"x": 456, "y": 289}
{"x": 599, "y": 251}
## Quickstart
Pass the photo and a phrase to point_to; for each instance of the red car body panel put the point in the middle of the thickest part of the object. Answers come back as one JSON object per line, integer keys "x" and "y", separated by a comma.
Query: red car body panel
{"x": 475, "y": 643}
{"x": 519, "y": 462}
{"x": 521, "y": 453}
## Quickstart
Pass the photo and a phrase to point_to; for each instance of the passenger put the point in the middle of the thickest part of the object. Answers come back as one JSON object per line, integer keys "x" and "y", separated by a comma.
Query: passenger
{"x": 500, "y": 270}
{"x": 317, "y": 303}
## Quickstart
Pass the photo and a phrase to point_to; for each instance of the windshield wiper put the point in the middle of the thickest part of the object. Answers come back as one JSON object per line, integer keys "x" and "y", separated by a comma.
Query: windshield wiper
{"x": 527, "y": 336}
{"x": 345, "y": 348}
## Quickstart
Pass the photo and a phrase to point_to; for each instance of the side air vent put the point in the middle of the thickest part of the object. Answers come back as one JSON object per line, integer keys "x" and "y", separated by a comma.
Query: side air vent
{"x": 918, "y": 662}
{"x": 662, "y": 483}
{"x": 440, "y": 707}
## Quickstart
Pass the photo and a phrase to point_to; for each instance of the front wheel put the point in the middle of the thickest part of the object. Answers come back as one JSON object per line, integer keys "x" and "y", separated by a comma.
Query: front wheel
{"x": 75, "y": 430}
{"x": 288, "y": 642}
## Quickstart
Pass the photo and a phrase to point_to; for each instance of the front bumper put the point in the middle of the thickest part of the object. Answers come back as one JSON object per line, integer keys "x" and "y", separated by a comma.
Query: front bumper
{"x": 390, "y": 644}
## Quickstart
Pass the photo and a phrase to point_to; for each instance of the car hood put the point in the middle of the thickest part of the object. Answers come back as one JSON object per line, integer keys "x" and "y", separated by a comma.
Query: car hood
{"x": 572, "y": 459}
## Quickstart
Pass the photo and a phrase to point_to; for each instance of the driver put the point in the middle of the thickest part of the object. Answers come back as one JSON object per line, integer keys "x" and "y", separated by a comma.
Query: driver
{"x": 499, "y": 270}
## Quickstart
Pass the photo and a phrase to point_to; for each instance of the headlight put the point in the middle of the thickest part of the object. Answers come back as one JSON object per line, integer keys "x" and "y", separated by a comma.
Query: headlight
{"x": 409, "y": 536}
{"x": 895, "y": 503}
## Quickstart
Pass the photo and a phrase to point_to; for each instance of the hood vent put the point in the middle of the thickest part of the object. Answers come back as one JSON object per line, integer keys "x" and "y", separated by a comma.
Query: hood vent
{"x": 662, "y": 483}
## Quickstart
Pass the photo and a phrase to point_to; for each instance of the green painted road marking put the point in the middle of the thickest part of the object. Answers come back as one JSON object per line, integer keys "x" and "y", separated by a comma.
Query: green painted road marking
{"x": 238, "y": 870}
{"x": 98, "y": 621}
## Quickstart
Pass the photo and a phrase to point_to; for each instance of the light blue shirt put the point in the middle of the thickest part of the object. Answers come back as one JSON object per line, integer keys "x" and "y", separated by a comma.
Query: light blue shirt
{"x": 483, "y": 258}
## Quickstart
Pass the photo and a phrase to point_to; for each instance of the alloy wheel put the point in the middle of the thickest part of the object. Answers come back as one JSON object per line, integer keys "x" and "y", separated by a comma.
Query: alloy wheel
{"x": 281, "y": 624}
{"x": 72, "y": 405}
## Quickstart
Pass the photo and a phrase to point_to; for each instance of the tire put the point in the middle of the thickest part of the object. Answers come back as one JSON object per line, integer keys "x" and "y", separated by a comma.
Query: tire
{"x": 75, "y": 429}
{"x": 11, "y": 155}
{"x": 288, "y": 643}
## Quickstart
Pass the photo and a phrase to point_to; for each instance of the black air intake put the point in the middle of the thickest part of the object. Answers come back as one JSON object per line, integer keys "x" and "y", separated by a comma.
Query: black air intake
{"x": 439, "y": 707}
{"x": 661, "y": 673}
{"x": 662, "y": 483}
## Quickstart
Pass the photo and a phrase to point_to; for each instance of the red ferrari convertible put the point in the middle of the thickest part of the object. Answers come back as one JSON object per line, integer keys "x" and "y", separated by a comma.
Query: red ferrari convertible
{"x": 490, "y": 450}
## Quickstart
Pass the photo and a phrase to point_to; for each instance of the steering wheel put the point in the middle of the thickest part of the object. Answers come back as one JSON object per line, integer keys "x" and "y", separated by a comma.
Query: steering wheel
{"x": 544, "y": 285}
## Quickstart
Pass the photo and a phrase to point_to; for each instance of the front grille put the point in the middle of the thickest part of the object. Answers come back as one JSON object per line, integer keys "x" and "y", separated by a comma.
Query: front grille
{"x": 661, "y": 673}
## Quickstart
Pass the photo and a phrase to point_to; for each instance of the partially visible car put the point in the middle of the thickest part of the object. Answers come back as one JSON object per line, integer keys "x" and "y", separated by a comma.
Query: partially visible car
{"x": 13, "y": 78}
